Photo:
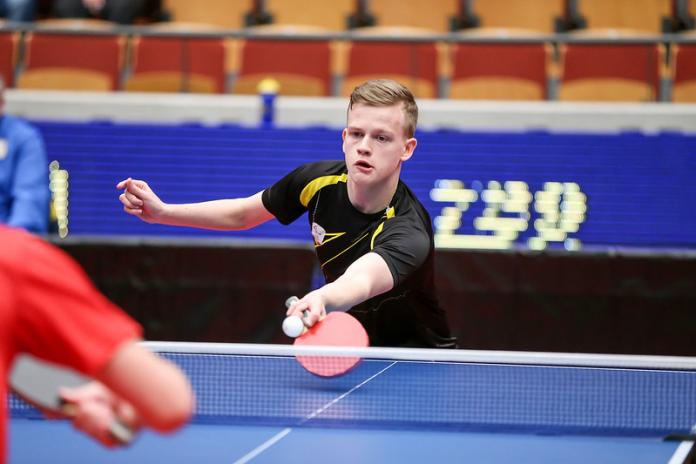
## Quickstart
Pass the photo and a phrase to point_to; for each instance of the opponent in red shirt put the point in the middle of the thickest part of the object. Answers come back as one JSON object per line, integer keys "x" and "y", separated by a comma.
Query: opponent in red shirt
{"x": 50, "y": 309}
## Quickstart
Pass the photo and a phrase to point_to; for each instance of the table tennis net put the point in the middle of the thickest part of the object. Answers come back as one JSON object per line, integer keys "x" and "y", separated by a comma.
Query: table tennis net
{"x": 437, "y": 389}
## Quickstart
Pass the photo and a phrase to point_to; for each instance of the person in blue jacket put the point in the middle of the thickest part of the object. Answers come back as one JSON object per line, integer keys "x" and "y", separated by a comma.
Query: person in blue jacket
{"x": 24, "y": 193}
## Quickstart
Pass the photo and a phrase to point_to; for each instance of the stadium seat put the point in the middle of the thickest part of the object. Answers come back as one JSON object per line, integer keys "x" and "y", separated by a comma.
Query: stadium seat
{"x": 636, "y": 15}
{"x": 8, "y": 56}
{"x": 416, "y": 64}
{"x": 65, "y": 61}
{"x": 223, "y": 13}
{"x": 610, "y": 71}
{"x": 432, "y": 14}
{"x": 535, "y": 15}
{"x": 331, "y": 15}
{"x": 500, "y": 71}
{"x": 684, "y": 73}
{"x": 301, "y": 67}
{"x": 177, "y": 64}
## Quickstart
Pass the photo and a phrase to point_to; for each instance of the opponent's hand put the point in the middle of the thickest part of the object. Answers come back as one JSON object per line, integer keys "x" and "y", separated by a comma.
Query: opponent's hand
{"x": 94, "y": 408}
{"x": 139, "y": 200}
{"x": 313, "y": 302}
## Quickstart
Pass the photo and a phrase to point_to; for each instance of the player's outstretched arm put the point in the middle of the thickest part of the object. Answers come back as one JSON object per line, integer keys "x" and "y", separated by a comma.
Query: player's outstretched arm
{"x": 137, "y": 388}
{"x": 140, "y": 200}
{"x": 158, "y": 391}
{"x": 367, "y": 277}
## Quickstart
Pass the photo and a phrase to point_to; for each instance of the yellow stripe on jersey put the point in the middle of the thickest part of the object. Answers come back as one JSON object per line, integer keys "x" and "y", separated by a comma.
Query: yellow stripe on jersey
{"x": 390, "y": 214}
{"x": 331, "y": 236}
{"x": 354, "y": 243}
{"x": 317, "y": 184}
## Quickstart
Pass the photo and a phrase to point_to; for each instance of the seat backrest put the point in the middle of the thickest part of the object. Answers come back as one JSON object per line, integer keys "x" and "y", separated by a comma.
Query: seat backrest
{"x": 414, "y": 64}
{"x": 224, "y": 13}
{"x": 177, "y": 64}
{"x": 8, "y": 56}
{"x": 684, "y": 73}
{"x": 610, "y": 71}
{"x": 72, "y": 61}
{"x": 431, "y": 14}
{"x": 536, "y": 15}
{"x": 301, "y": 67}
{"x": 500, "y": 71}
{"x": 331, "y": 15}
{"x": 638, "y": 15}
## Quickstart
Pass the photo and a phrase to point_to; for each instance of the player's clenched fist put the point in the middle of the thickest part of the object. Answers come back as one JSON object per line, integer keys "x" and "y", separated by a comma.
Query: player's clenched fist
{"x": 139, "y": 200}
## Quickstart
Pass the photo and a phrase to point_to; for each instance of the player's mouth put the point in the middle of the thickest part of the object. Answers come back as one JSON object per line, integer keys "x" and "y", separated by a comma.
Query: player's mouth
{"x": 363, "y": 166}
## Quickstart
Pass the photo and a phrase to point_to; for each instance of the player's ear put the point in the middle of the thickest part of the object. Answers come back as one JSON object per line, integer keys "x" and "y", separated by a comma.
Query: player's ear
{"x": 343, "y": 136}
{"x": 409, "y": 148}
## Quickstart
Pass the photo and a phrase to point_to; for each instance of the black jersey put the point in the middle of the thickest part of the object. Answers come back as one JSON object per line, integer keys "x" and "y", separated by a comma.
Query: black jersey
{"x": 407, "y": 315}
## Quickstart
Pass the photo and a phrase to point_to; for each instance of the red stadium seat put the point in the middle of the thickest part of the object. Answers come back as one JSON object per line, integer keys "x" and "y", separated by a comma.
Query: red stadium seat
{"x": 684, "y": 73}
{"x": 71, "y": 61}
{"x": 610, "y": 71}
{"x": 301, "y": 67}
{"x": 177, "y": 64}
{"x": 8, "y": 56}
{"x": 415, "y": 64}
{"x": 500, "y": 71}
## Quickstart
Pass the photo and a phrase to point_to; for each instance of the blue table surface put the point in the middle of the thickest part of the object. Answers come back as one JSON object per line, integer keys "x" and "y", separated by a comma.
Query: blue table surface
{"x": 268, "y": 409}
{"x": 37, "y": 441}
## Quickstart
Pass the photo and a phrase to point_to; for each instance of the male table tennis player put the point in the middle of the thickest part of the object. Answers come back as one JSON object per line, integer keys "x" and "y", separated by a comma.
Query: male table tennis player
{"x": 372, "y": 236}
{"x": 49, "y": 309}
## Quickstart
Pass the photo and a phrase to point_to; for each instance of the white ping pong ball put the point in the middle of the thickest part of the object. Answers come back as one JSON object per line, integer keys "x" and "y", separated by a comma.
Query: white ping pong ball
{"x": 293, "y": 326}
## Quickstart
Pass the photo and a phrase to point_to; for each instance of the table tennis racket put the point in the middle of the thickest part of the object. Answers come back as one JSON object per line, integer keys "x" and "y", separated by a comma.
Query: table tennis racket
{"x": 335, "y": 329}
{"x": 38, "y": 383}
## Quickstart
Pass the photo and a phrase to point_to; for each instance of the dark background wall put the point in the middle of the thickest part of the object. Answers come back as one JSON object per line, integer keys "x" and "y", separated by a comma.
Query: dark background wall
{"x": 550, "y": 301}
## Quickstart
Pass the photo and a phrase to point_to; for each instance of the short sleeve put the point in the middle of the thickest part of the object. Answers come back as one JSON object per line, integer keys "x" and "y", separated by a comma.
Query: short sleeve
{"x": 404, "y": 245}
{"x": 283, "y": 199}
{"x": 60, "y": 315}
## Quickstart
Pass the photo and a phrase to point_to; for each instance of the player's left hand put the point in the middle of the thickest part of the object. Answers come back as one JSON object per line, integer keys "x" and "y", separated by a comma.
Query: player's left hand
{"x": 94, "y": 408}
{"x": 313, "y": 303}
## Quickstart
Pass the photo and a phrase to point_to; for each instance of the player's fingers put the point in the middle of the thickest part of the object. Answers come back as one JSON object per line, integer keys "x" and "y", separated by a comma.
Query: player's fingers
{"x": 313, "y": 316}
{"x": 133, "y": 211}
{"x": 132, "y": 199}
{"x": 125, "y": 201}
{"x": 122, "y": 184}
{"x": 94, "y": 419}
{"x": 135, "y": 185}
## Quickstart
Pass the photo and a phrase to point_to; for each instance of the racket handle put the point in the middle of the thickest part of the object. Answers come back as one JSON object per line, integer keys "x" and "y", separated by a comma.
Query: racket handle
{"x": 120, "y": 432}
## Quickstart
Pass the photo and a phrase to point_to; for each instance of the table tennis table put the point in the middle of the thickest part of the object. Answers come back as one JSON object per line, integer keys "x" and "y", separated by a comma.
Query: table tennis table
{"x": 256, "y": 404}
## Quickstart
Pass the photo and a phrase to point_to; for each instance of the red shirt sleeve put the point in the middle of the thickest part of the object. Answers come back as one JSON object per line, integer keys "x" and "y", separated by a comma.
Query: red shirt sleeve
{"x": 59, "y": 314}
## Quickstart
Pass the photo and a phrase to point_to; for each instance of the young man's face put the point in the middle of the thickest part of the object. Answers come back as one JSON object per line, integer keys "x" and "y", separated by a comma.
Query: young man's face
{"x": 374, "y": 142}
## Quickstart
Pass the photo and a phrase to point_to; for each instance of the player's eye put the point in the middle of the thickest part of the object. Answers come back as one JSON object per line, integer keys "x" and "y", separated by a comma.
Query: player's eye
{"x": 382, "y": 138}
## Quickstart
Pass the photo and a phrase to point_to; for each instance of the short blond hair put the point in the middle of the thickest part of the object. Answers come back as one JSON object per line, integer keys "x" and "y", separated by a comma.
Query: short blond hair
{"x": 385, "y": 92}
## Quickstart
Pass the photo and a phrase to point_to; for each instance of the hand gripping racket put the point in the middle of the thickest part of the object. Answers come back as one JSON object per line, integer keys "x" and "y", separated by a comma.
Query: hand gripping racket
{"x": 38, "y": 383}
{"x": 336, "y": 329}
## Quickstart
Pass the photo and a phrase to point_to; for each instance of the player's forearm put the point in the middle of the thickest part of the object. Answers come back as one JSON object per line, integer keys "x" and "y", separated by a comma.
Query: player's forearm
{"x": 217, "y": 214}
{"x": 366, "y": 278}
{"x": 159, "y": 391}
{"x": 345, "y": 293}
{"x": 228, "y": 214}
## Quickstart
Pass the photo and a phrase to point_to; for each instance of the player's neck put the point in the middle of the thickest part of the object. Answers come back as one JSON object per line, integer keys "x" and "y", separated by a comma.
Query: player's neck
{"x": 370, "y": 199}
